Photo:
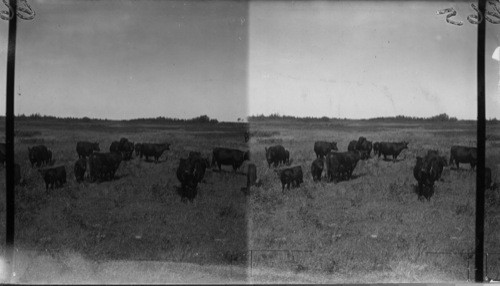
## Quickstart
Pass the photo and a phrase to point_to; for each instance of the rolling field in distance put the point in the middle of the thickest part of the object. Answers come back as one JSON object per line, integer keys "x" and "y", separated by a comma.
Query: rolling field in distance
{"x": 371, "y": 228}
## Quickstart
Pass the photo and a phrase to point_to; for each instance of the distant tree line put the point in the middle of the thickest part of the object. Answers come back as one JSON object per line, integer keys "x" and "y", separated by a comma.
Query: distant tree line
{"x": 443, "y": 117}
{"x": 37, "y": 116}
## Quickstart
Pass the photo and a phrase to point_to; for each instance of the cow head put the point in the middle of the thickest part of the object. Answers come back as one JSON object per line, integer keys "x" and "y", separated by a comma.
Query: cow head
{"x": 405, "y": 145}
{"x": 246, "y": 156}
{"x": 333, "y": 145}
{"x": 95, "y": 146}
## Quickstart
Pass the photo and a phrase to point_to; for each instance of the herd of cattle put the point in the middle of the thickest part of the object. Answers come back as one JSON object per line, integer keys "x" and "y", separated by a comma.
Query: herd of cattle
{"x": 329, "y": 163}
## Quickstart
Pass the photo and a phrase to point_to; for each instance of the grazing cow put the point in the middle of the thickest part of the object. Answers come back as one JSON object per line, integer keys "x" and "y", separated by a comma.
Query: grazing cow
{"x": 53, "y": 177}
{"x": 247, "y": 136}
{"x": 251, "y": 175}
{"x": 155, "y": 150}
{"x": 376, "y": 146}
{"x": 289, "y": 176}
{"x": 138, "y": 149}
{"x": 351, "y": 159}
{"x": 80, "y": 168}
{"x": 317, "y": 169}
{"x": 39, "y": 155}
{"x": 462, "y": 154}
{"x": 427, "y": 171}
{"x": 226, "y": 156}
{"x": 84, "y": 148}
{"x": 322, "y": 148}
{"x": 390, "y": 148}
{"x": 276, "y": 155}
{"x": 103, "y": 166}
{"x": 17, "y": 174}
{"x": 186, "y": 174}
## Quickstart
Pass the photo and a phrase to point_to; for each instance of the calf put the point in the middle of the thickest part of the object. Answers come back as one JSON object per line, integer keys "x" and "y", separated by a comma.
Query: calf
{"x": 317, "y": 169}
{"x": 289, "y": 176}
{"x": 80, "y": 168}
{"x": 53, "y": 177}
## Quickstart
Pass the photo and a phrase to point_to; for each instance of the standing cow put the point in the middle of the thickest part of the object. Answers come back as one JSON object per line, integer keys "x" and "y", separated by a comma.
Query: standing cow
{"x": 390, "y": 148}
{"x": 322, "y": 148}
{"x": 463, "y": 154}
{"x": 186, "y": 174}
{"x": 85, "y": 148}
{"x": 226, "y": 156}
{"x": 292, "y": 175}
{"x": 317, "y": 169}
{"x": 39, "y": 155}
{"x": 80, "y": 168}
{"x": 154, "y": 150}
{"x": 276, "y": 155}
{"x": 53, "y": 177}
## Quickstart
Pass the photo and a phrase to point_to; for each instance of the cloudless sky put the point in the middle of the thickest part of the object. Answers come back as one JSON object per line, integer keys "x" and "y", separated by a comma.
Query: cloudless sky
{"x": 359, "y": 59}
{"x": 230, "y": 59}
{"x": 129, "y": 59}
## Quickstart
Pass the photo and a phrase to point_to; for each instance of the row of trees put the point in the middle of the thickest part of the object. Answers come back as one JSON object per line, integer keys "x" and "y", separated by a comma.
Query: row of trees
{"x": 37, "y": 116}
{"x": 443, "y": 117}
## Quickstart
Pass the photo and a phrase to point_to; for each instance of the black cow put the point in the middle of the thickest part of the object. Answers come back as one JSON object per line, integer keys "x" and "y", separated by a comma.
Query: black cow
{"x": 103, "y": 166}
{"x": 251, "y": 175}
{"x": 437, "y": 163}
{"x": 340, "y": 166}
{"x": 352, "y": 145}
{"x": 138, "y": 149}
{"x": 376, "y": 146}
{"x": 276, "y": 155}
{"x": 287, "y": 157}
{"x": 39, "y": 155}
{"x": 200, "y": 165}
{"x": 124, "y": 147}
{"x": 80, "y": 168}
{"x": 322, "y": 148}
{"x": 425, "y": 178}
{"x": 247, "y": 136}
{"x": 289, "y": 176}
{"x": 186, "y": 174}
{"x": 154, "y": 149}
{"x": 53, "y": 177}
{"x": 391, "y": 148}
{"x": 462, "y": 154}
{"x": 317, "y": 169}
{"x": 84, "y": 148}
{"x": 226, "y": 156}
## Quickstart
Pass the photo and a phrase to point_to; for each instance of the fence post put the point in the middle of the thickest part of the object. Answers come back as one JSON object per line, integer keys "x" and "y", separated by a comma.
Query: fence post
{"x": 468, "y": 270}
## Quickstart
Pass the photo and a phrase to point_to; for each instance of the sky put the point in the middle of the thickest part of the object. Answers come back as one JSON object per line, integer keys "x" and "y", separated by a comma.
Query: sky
{"x": 231, "y": 59}
{"x": 130, "y": 59}
{"x": 358, "y": 59}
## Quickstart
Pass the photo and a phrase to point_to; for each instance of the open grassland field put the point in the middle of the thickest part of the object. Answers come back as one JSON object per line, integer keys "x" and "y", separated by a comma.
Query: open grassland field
{"x": 137, "y": 216}
{"x": 373, "y": 227}
{"x": 370, "y": 228}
